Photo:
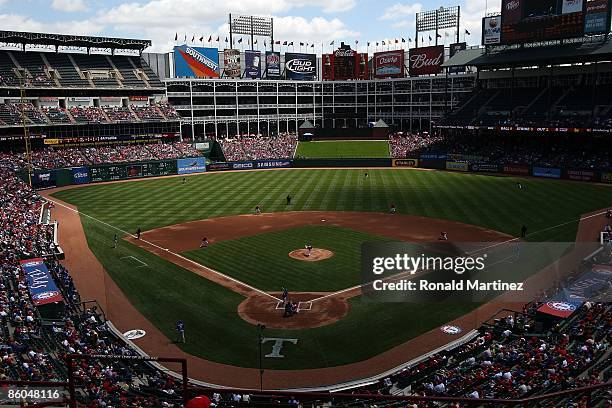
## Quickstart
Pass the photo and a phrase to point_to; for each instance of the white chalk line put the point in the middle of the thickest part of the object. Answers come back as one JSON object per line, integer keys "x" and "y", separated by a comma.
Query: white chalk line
{"x": 142, "y": 264}
{"x": 170, "y": 252}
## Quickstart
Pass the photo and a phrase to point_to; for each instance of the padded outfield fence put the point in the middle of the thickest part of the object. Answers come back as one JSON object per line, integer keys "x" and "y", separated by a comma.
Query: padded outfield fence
{"x": 42, "y": 179}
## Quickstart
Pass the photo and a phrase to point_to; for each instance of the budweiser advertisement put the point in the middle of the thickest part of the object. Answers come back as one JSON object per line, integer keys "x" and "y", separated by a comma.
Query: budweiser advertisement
{"x": 389, "y": 64}
{"x": 426, "y": 60}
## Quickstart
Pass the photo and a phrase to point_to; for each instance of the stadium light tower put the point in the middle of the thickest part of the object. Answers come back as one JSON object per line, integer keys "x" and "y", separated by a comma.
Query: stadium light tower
{"x": 439, "y": 19}
{"x": 251, "y": 25}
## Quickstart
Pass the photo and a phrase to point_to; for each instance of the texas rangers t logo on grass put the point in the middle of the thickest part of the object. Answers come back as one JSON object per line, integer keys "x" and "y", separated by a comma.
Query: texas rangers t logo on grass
{"x": 277, "y": 347}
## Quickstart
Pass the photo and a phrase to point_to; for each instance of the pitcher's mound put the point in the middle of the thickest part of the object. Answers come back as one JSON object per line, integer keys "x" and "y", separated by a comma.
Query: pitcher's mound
{"x": 317, "y": 254}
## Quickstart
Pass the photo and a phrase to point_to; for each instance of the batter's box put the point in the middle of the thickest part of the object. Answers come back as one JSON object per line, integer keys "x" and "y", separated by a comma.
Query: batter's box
{"x": 280, "y": 305}
{"x": 304, "y": 306}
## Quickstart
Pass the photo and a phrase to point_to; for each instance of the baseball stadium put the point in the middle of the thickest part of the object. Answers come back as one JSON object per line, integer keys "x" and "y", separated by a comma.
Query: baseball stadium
{"x": 263, "y": 222}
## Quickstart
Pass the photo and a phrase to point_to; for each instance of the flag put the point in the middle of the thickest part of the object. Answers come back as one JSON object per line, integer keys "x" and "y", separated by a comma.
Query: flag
{"x": 193, "y": 38}
{"x": 332, "y": 43}
{"x": 277, "y": 43}
{"x": 383, "y": 43}
{"x": 284, "y": 42}
{"x": 312, "y": 46}
{"x": 255, "y": 43}
{"x": 185, "y": 37}
{"x": 403, "y": 40}
{"x": 265, "y": 44}
{"x": 409, "y": 39}
{"x": 356, "y": 41}
{"x": 438, "y": 35}
{"x": 201, "y": 38}
{"x": 467, "y": 32}
{"x": 226, "y": 39}
{"x": 291, "y": 43}
{"x": 217, "y": 38}
{"x": 240, "y": 40}
{"x": 210, "y": 39}
{"x": 430, "y": 38}
{"x": 176, "y": 37}
{"x": 396, "y": 41}
{"x": 301, "y": 44}
{"x": 368, "y": 43}
{"x": 377, "y": 44}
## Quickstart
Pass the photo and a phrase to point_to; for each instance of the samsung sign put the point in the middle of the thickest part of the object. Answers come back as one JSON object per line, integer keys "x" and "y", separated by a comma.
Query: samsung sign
{"x": 301, "y": 67}
{"x": 273, "y": 164}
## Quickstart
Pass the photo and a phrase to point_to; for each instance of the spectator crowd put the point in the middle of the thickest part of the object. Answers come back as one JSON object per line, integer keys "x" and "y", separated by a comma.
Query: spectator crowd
{"x": 258, "y": 147}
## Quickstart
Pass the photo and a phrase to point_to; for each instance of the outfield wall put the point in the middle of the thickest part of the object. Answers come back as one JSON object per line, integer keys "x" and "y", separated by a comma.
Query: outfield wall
{"x": 42, "y": 179}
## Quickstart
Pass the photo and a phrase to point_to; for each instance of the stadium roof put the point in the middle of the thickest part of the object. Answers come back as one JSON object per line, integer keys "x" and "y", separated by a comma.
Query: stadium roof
{"x": 25, "y": 38}
{"x": 564, "y": 54}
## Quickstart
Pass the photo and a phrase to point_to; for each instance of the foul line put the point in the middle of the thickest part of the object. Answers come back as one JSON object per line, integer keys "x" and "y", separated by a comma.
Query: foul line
{"x": 469, "y": 253}
{"x": 170, "y": 252}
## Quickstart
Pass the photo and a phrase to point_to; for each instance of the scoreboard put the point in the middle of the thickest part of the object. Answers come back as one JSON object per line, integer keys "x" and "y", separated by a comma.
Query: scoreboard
{"x": 127, "y": 171}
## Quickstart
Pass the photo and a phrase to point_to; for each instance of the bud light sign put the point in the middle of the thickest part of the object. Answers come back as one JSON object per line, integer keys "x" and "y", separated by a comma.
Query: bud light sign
{"x": 301, "y": 67}
{"x": 80, "y": 175}
{"x": 426, "y": 60}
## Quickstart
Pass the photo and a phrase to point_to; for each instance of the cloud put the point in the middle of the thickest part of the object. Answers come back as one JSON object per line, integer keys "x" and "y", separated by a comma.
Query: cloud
{"x": 69, "y": 6}
{"x": 399, "y": 11}
{"x": 20, "y": 23}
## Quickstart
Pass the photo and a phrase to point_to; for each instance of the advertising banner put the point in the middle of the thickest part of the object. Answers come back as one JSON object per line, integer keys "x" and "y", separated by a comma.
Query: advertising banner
{"x": 485, "y": 168}
{"x": 457, "y": 166}
{"x": 242, "y": 165}
{"x": 252, "y": 61}
{"x": 405, "y": 163}
{"x": 597, "y": 18}
{"x": 218, "y": 166}
{"x": 572, "y": 6}
{"x": 273, "y": 64}
{"x": 301, "y": 67}
{"x": 548, "y": 172}
{"x": 231, "y": 63}
{"x": 516, "y": 169}
{"x": 389, "y": 64}
{"x": 454, "y": 49}
{"x": 41, "y": 286}
{"x": 273, "y": 164}
{"x": 80, "y": 175}
{"x": 426, "y": 60}
{"x": 512, "y": 11}
{"x": 190, "y": 166}
{"x": 491, "y": 30}
{"x": 583, "y": 175}
{"x": 44, "y": 179}
{"x": 196, "y": 62}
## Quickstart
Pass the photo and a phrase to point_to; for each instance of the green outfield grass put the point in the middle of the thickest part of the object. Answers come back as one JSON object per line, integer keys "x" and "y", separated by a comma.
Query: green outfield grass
{"x": 343, "y": 149}
{"x": 270, "y": 268}
{"x": 165, "y": 293}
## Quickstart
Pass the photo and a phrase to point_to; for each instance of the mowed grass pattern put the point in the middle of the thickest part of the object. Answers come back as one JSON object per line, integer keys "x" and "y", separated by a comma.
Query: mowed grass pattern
{"x": 487, "y": 201}
{"x": 343, "y": 149}
{"x": 263, "y": 260}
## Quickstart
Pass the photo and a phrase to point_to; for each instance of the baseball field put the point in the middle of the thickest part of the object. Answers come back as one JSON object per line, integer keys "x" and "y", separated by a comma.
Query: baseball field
{"x": 167, "y": 276}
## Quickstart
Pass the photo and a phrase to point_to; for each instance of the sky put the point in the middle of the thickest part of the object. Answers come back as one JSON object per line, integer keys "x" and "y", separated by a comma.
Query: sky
{"x": 308, "y": 21}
